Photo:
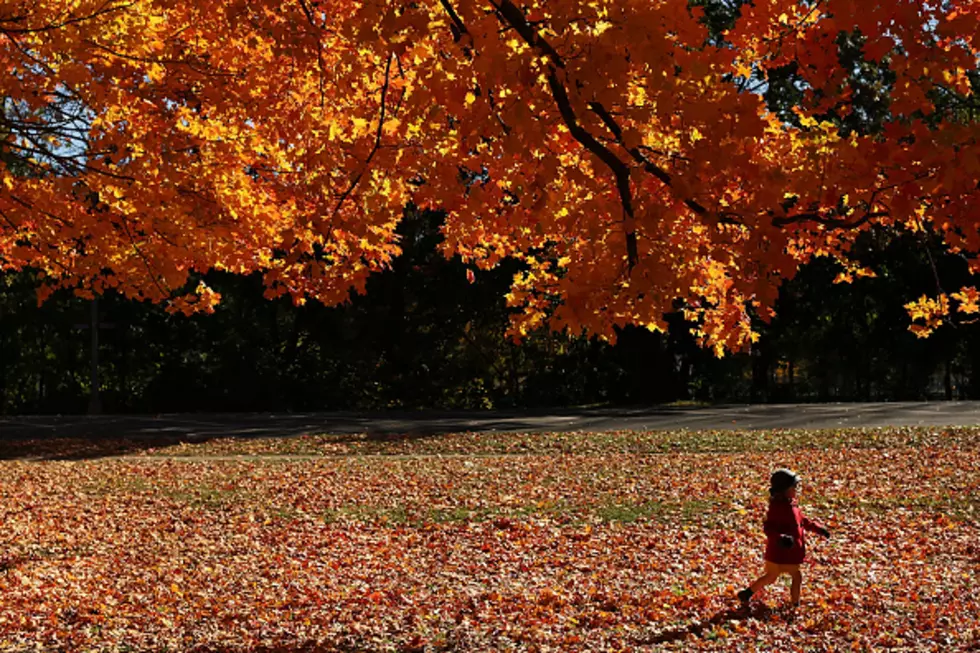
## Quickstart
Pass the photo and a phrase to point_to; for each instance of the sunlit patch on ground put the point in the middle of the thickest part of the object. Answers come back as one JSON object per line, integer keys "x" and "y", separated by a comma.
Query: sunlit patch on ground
{"x": 495, "y": 541}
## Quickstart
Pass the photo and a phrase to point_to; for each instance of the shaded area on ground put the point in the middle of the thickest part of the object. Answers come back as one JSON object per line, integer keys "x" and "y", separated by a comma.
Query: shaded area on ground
{"x": 79, "y": 437}
{"x": 759, "y": 611}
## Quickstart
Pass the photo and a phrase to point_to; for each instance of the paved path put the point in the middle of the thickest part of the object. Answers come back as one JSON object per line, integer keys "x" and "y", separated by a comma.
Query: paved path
{"x": 206, "y": 426}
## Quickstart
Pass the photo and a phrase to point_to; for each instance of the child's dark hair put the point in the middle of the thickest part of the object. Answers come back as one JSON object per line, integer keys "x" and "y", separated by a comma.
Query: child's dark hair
{"x": 782, "y": 480}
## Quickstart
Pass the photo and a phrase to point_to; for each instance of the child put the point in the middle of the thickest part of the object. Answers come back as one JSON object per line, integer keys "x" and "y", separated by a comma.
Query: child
{"x": 785, "y": 540}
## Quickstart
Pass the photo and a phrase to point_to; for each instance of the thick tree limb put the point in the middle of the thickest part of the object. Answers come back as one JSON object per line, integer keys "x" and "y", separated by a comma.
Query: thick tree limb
{"x": 459, "y": 27}
{"x": 512, "y": 15}
{"x": 814, "y": 216}
{"x": 649, "y": 166}
{"x": 515, "y": 17}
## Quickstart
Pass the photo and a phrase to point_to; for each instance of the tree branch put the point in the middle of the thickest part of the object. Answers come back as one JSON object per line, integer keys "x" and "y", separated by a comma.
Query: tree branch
{"x": 68, "y": 21}
{"x": 459, "y": 27}
{"x": 649, "y": 166}
{"x": 815, "y": 216}
{"x": 31, "y": 244}
{"x": 377, "y": 138}
{"x": 319, "y": 46}
{"x": 514, "y": 17}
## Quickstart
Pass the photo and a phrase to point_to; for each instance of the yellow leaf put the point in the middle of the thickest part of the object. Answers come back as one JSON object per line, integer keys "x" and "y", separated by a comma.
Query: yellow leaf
{"x": 156, "y": 73}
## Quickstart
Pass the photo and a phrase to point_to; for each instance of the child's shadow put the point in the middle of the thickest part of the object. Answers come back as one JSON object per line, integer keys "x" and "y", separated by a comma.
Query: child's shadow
{"x": 757, "y": 611}
{"x": 6, "y": 564}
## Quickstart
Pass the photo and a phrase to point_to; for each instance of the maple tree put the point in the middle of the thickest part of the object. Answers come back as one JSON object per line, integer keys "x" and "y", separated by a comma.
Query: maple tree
{"x": 624, "y": 153}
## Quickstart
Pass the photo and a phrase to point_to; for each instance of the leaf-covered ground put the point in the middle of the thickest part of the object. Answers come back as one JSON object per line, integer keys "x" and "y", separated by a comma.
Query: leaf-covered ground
{"x": 616, "y": 541}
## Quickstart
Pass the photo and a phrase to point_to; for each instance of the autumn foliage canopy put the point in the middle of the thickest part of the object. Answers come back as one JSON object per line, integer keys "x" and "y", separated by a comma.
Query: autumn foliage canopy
{"x": 624, "y": 151}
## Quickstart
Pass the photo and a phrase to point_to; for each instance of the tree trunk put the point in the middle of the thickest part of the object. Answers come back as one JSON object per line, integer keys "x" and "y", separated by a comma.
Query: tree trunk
{"x": 948, "y": 380}
{"x": 792, "y": 387}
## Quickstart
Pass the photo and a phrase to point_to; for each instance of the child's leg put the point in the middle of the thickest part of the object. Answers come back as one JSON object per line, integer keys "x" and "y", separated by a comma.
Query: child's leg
{"x": 773, "y": 572}
{"x": 765, "y": 579}
{"x": 794, "y": 590}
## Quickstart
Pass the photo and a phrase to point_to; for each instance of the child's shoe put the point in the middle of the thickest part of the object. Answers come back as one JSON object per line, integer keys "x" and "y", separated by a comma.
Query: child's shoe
{"x": 744, "y": 596}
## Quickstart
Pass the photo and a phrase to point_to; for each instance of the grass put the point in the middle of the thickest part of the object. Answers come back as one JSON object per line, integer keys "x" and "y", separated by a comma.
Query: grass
{"x": 475, "y": 445}
{"x": 582, "y": 443}
{"x": 567, "y": 541}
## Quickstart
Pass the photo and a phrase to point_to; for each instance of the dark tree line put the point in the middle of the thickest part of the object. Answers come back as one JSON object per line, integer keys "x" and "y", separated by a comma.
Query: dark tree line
{"x": 424, "y": 337}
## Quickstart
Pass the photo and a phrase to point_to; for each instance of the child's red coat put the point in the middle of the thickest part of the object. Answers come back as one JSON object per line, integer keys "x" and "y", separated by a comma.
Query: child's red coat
{"x": 784, "y": 518}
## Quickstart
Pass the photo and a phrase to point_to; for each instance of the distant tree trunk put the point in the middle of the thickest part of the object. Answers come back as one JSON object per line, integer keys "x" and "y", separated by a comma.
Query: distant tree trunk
{"x": 948, "y": 380}
{"x": 122, "y": 383}
{"x": 3, "y": 379}
{"x": 792, "y": 388}
{"x": 973, "y": 385}
{"x": 858, "y": 381}
{"x": 760, "y": 376}
{"x": 291, "y": 349}
{"x": 824, "y": 392}
{"x": 515, "y": 383}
